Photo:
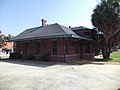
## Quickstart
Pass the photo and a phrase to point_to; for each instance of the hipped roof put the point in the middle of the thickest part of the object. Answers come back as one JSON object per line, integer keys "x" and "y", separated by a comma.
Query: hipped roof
{"x": 49, "y": 31}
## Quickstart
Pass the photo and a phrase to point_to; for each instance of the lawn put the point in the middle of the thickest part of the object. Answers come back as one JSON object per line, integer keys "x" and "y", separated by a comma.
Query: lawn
{"x": 115, "y": 56}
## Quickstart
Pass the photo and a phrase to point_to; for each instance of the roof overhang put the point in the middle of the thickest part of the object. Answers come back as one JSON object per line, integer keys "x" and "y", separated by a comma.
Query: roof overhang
{"x": 45, "y": 37}
{"x": 52, "y": 36}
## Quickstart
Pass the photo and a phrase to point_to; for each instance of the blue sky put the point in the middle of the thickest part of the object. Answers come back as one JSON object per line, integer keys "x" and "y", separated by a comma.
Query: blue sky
{"x": 18, "y": 15}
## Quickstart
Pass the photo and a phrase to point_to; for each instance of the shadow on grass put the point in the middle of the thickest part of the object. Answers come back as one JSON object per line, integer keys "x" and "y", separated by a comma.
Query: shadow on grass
{"x": 103, "y": 60}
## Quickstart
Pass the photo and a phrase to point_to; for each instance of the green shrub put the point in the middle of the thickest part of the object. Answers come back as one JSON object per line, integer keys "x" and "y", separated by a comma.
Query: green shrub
{"x": 45, "y": 57}
{"x": 15, "y": 56}
{"x": 29, "y": 57}
{"x": 12, "y": 56}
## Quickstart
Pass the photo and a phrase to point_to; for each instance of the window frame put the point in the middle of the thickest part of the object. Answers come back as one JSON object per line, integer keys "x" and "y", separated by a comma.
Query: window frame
{"x": 87, "y": 48}
{"x": 54, "y": 47}
{"x": 37, "y": 47}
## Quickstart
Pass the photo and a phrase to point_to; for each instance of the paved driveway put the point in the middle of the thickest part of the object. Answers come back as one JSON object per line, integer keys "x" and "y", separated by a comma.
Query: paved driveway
{"x": 26, "y": 76}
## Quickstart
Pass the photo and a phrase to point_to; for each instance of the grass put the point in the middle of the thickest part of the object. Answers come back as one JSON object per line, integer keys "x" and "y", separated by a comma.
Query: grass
{"x": 115, "y": 54}
{"x": 115, "y": 57}
{"x": 118, "y": 89}
{"x": 115, "y": 60}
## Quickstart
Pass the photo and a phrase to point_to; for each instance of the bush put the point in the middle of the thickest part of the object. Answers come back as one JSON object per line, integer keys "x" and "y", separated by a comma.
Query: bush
{"x": 20, "y": 56}
{"x": 45, "y": 57}
{"x": 12, "y": 56}
{"x": 15, "y": 56}
{"x": 29, "y": 57}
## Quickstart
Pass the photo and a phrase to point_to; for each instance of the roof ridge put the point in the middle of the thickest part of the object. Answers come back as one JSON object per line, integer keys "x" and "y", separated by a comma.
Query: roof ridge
{"x": 34, "y": 27}
{"x": 80, "y": 27}
{"x": 61, "y": 28}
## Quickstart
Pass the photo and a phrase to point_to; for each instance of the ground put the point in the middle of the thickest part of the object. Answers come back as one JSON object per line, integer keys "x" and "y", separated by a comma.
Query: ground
{"x": 19, "y": 75}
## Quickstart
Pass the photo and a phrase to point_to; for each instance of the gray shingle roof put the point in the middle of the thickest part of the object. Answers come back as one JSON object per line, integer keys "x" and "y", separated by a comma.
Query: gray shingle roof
{"x": 79, "y": 28}
{"x": 49, "y": 31}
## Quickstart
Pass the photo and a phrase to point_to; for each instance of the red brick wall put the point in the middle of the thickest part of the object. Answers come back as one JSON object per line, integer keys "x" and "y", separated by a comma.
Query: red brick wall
{"x": 31, "y": 47}
{"x": 60, "y": 46}
{"x": 74, "y": 57}
{"x": 87, "y": 56}
{"x": 8, "y": 45}
{"x": 45, "y": 47}
{"x": 17, "y": 47}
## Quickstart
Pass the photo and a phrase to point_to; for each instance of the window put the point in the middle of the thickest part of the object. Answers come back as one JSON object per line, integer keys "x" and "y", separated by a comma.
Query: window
{"x": 38, "y": 48}
{"x": 87, "y": 48}
{"x": 20, "y": 47}
{"x": 66, "y": 48}
{"x": 26, "y": 49}
{"x": 54, "y": 47}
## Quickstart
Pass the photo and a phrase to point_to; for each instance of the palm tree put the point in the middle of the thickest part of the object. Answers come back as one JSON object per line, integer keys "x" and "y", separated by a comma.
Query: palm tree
{"x": 106, "y": 18}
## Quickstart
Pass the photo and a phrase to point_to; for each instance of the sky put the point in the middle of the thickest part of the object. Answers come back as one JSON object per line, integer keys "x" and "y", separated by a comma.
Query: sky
{"x": 18, "y": 15}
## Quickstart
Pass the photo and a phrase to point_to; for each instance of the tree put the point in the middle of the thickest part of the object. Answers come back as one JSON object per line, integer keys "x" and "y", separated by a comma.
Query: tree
{"x": 8, "y": 37}
{"x": 106, "y": 19}
{"x": 115, "y": 40}
{"x": 1, "y": 39}
{"x": 1, "y": 42}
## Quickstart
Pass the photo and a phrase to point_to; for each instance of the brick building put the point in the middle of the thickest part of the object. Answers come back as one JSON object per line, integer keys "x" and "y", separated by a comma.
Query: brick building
{"x": 62, "y": 43}
{"x": 5, "y": 44}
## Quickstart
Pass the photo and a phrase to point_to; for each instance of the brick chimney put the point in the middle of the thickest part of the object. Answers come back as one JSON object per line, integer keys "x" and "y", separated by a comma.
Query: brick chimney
{"x": 44, "y": 22}
{"x": 69, "y": 26}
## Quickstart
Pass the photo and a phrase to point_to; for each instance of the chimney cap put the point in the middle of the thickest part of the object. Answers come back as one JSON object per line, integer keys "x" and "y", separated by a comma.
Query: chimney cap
{"x": 69, "y": 26}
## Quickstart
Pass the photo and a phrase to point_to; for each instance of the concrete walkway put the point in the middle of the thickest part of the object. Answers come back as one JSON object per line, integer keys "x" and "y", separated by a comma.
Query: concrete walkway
{"x": 22, "y": 76}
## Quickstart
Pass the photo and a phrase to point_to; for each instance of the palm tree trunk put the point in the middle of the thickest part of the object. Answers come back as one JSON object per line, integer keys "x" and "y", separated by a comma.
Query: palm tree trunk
{"x": 105, "y": 49}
